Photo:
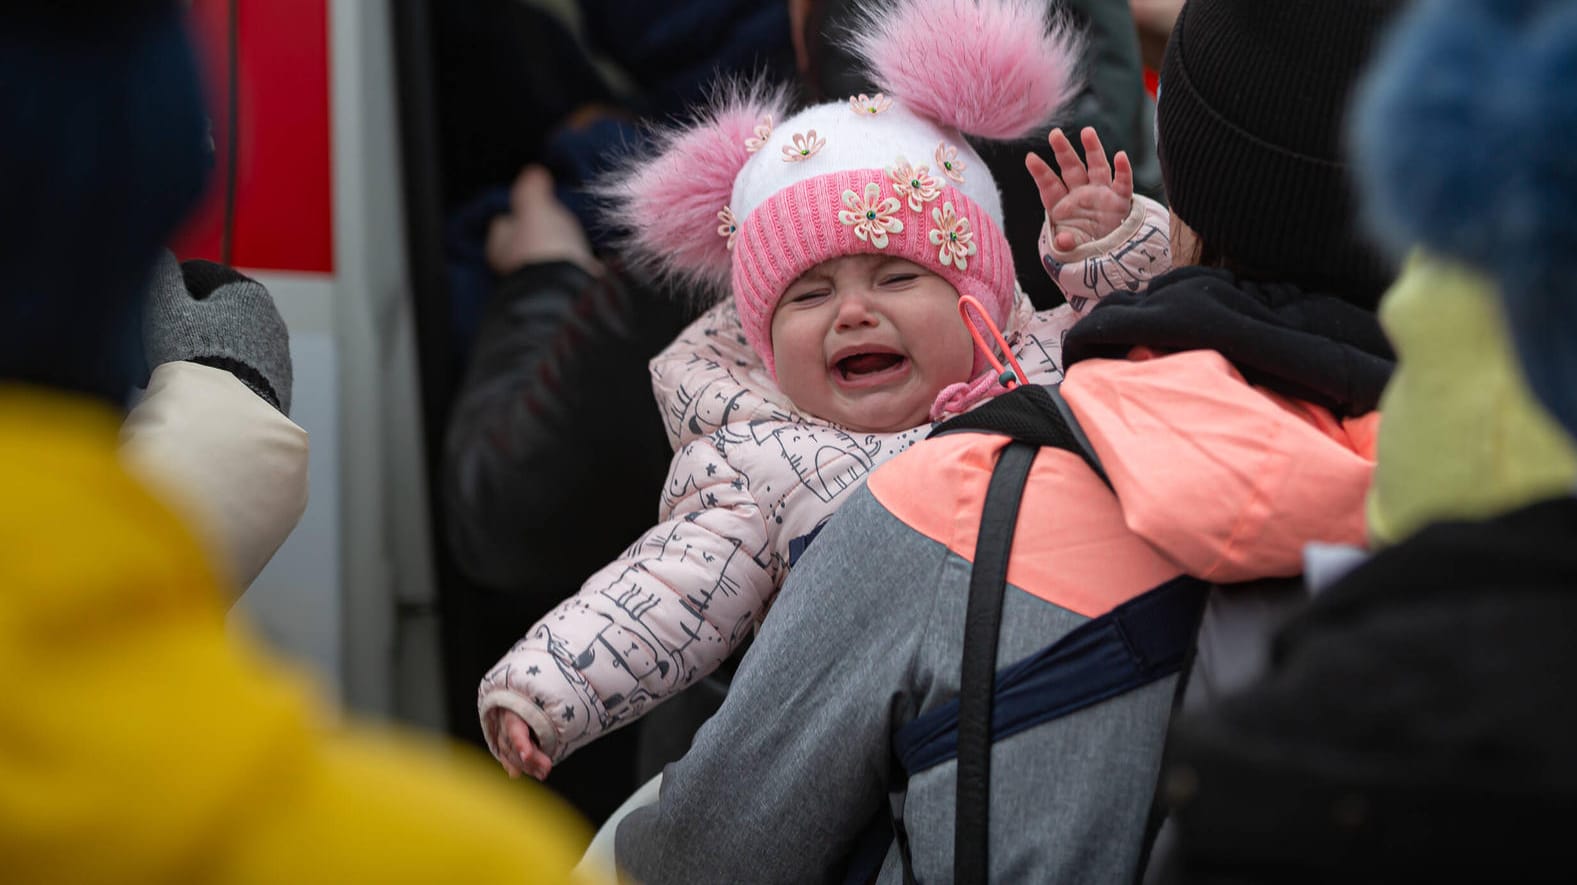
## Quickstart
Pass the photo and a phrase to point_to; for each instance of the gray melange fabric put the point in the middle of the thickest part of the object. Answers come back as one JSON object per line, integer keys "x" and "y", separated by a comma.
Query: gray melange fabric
{"x": 208, "y": 313}
{"x": 866, "y": 635}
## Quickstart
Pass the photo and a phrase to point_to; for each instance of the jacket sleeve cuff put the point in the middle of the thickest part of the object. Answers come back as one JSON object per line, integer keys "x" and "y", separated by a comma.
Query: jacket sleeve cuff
{"x": 1096, "y": 248}
{"x": 235, "y": 466}
{"x": 541, "y": 726}
{"x": 1125, "y": 260}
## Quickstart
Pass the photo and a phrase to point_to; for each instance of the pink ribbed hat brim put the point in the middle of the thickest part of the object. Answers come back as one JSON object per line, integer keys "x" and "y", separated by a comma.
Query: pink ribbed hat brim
{"x": 798, "y": 227}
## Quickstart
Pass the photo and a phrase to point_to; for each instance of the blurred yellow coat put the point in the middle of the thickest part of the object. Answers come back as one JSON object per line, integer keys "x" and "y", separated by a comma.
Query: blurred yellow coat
{"x": 142, "y": 742}
{"x": 1463, "y": 438}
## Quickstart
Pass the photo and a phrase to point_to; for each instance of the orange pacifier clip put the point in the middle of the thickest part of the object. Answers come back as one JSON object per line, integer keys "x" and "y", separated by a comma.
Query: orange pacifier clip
{"x": 1007, "y": 377}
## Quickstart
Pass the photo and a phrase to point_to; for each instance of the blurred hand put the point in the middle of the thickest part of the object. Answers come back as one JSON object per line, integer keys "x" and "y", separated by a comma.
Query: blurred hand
{"x": 537, "y": 229}
{"x": 518, "y": 750}
{"x": 1155, "y": 15}
{"x": 799, "y": 19}
{"x": 1086, "y": 202}
{"x": 1153, "y": 19}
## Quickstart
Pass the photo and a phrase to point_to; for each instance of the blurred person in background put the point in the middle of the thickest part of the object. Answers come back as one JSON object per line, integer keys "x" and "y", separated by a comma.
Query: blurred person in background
{"x": 552, "y": 430}
{"x": 211, "y": 429}
{"x": 139, "y": 739}
{"x": 1416, "y": 723}
{"x": 1154, "y": 20}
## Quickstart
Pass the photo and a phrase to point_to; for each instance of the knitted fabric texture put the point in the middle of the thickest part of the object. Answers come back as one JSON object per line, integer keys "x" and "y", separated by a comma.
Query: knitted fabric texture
{"x": 208, "y": 313}
{"x": 1249, "y": 131}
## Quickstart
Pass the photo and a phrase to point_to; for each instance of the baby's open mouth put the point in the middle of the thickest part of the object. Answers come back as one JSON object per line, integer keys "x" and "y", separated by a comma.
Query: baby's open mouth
{"x": 863, "y": 365}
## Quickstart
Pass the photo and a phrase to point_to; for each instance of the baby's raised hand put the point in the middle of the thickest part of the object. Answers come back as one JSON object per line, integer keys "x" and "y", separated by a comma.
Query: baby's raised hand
{"x": 518, "y": 750}
{"x": 1085, "y": 203}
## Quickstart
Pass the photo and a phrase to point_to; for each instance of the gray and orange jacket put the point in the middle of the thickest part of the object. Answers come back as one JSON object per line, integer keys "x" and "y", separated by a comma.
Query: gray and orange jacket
{"x": 1212, "y": 476}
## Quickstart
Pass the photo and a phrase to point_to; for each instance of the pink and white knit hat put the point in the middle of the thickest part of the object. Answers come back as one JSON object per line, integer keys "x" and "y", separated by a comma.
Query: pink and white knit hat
{"x": 747, "y": 201}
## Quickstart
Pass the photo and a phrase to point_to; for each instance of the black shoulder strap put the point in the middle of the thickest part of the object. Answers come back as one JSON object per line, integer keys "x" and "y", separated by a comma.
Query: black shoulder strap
{"x": 1033, "y": 414}
{"x": 1034, "y": 417}
{"x": 987, "y": 584}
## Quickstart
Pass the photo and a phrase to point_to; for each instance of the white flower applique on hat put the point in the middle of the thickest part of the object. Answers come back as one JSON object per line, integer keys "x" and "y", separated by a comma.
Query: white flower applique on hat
{"x": 955, "y": 237}
{"x": 915, "y": 184}
{"x": 762, "y": 134}
{"x": 949, "y": 163}
{"x": 805, "y": 146}
{"x": 871, "y": 217}
{"x": 729, "y": 227}
{"x": 869, "y": 105}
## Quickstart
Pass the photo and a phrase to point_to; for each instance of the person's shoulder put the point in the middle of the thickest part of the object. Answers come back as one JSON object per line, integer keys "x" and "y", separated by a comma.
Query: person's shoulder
{"x": 936, "y": 479}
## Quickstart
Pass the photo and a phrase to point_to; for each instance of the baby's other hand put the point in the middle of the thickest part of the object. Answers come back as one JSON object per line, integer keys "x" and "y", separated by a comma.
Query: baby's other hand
{"x": 1084, "y": 203}
{"x": 518, "y": 750}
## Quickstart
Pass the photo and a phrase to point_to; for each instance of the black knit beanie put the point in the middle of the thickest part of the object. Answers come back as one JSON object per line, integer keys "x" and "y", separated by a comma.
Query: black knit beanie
{"x": 1250, "y": 136}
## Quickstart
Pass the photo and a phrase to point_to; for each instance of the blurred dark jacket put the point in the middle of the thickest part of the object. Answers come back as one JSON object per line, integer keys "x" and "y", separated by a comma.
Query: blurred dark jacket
{"x": 1416, "y": 724}
{"x": 553, "y": 426}
{"x": 676, "y": 49}
{"x": 554, "y": 453}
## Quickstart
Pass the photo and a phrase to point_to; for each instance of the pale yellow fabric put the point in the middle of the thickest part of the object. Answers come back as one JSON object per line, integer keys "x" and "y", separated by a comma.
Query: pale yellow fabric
{"x": 141, "y": 742}
{"x": 233, "y": 465}
{"x": 1462, "y": 438}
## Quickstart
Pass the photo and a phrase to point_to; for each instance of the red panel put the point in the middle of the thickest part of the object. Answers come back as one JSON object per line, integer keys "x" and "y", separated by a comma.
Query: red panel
{"x": 284, "y": 215}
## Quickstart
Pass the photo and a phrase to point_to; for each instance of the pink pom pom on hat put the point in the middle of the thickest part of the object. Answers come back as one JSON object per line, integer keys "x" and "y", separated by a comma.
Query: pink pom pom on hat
{"x": 885, "y": 174}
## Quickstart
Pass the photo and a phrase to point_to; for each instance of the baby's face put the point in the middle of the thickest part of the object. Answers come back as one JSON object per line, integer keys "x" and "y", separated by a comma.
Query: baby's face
{"x": 869, "y": 341}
